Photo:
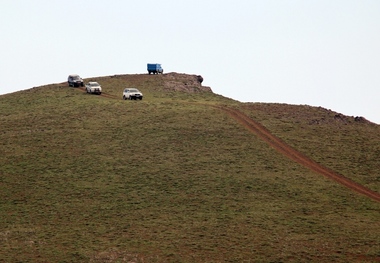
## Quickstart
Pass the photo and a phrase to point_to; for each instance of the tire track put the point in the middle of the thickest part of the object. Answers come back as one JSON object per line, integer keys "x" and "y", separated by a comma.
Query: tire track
{"x": 106, "y": 95}
{"x": 296, "y": 156}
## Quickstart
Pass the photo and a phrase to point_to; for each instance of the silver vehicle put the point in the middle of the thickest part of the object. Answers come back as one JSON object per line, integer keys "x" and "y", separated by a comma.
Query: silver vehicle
{"x": 93, "y": 87}
{"x": 75, "y": 81}
{"x": 132, "y": 94}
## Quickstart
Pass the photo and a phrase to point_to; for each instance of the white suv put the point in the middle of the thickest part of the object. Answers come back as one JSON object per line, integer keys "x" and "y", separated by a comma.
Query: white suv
{"x": 132, "y": 94}
{"x": 93, "y": 87}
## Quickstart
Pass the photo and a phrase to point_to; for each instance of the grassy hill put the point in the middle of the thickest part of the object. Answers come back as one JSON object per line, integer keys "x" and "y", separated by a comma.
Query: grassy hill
{"x": 172, "y": 178}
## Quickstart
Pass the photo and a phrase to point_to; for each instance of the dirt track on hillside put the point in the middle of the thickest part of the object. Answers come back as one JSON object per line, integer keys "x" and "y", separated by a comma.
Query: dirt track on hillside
{"x": 291, "y": 153}
{"x": 288, "y": 151}
{"x": 103, "y": 94}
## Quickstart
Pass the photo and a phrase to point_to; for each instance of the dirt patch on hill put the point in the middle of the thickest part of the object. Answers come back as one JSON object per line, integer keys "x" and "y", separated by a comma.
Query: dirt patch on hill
{"x": 184, "y": 82}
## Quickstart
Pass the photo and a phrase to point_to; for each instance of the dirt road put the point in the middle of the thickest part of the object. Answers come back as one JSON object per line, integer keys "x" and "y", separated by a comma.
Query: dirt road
{"x": 293, "y": 154}
{"x": 103, "y": 94}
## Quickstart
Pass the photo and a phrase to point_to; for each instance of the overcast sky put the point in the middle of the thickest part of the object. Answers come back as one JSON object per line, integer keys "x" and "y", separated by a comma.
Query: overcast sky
{"x": 316, "y": 52}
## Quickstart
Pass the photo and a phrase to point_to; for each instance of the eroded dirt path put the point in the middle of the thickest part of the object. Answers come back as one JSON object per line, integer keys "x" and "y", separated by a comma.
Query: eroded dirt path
{"x": 293, "y": 154}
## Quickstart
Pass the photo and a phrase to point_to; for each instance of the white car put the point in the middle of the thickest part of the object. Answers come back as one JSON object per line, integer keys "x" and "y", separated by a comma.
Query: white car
{"x": 132, "y": 94}
{"x": 93, "y": 87}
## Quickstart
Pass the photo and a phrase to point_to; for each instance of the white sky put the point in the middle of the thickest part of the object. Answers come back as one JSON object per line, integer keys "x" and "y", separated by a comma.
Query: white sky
{"x": 316, "y": 52}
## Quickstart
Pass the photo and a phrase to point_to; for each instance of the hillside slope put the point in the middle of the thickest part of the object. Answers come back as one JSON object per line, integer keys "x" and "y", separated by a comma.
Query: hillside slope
{"x": 347, "y": 145}
{"x": 298, "y": 157}
{"x": 173, "y": 178}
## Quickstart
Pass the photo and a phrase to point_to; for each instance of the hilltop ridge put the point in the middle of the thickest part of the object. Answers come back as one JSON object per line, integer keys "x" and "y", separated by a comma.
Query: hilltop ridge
{"x": 168, "y": 82}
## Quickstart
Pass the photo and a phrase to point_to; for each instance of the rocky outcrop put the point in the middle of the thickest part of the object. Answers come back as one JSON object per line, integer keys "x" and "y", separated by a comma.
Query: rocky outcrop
{"x": 184, "y": 82}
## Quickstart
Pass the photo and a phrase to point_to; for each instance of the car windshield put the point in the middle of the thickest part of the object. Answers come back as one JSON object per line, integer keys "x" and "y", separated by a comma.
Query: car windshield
{"x": 94, "y": 84}
{"x": 133, "y": 90}
{"x": 76, "y": 78}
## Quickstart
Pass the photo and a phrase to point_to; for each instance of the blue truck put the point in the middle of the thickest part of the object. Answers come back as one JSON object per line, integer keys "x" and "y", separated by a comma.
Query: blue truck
{"x": 155, "y": 69}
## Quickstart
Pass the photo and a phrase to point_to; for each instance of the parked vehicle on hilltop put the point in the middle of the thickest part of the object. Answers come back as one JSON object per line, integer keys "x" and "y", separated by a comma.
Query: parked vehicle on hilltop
{"x": 132, "y": 94}
{"x": 93, "y": 88}
{"x": 75, "y": 81}
{"x": 155, "y": 68}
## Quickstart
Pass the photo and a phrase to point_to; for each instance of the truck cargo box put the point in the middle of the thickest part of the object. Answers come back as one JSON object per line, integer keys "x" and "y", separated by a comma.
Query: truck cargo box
{"x": 155, "y": 68}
